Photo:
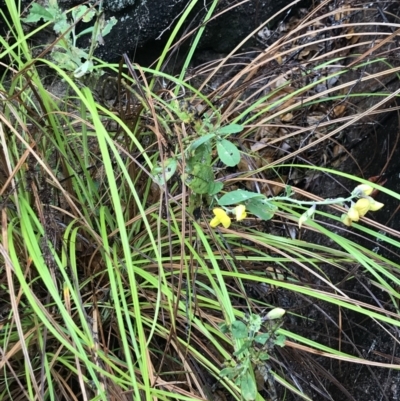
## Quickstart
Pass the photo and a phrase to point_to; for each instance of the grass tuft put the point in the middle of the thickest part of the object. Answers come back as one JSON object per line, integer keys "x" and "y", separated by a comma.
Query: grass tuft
{"x": 114, "y": 285}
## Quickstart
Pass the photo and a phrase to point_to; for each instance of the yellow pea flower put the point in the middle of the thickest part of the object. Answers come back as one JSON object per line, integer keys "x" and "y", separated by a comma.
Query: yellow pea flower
{"x": 240, "y": 212}
{"x": 362, "y": 206}
{"x": 346, "y": 220}
{"x": 363, "y": 189}
{"x": 221, "y": 217}
{"x": 353, "y": 214}
{"x": 360, "y": 209}
{"x": 374, "y": 205}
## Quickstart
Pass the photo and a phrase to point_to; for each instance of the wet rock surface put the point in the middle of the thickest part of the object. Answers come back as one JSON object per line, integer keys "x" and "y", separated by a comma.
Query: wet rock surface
{"x": 144, "y": 26}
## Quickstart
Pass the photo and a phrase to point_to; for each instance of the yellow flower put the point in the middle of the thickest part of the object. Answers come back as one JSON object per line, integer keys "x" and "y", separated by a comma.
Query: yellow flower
{"x": 360, "y": 209}
{"x": 362, "y": 206}
{"x": 346, "y": 220}
{"x": 221, "y": 217}
{"x": 353, "y": 214}
{"x": 363, "y": 190}
{"x": 374, "y": 205}
{"x": 240, "y": 212}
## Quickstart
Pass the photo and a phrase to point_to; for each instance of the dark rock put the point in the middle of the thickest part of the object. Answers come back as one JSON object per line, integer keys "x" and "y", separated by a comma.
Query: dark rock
{"x": 145, "y": 21}
{"x": 229, "y": 29}
{"x": 144, "y": 25}
{"x": 150, "y": 21}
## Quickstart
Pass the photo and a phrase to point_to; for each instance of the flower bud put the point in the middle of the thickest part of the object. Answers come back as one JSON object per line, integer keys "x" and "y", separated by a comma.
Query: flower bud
{"x": 276, "y": 313}
{"x": 306, "y": 215}
{"x": 240, "y": 212}
{"x": 363, "y": 190}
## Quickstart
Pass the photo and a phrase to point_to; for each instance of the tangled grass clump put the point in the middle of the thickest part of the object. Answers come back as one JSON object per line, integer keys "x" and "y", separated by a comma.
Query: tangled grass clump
{"x": 117, "y": 283}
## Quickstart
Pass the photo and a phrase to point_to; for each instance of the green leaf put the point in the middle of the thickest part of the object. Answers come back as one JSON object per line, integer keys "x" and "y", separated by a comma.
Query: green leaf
{"x": 82, "y": 12}
{"x": 84, "y": 32}
{"x": 200, "y": 141}
{"x": 78, "y": 54}
{"x": 201, "y": 155}
{"x": 248, "y": 387}
{"x": 199, "y": 175}
{"x": 62, "y": 25}
{"x": 262, "y": 338}
{"x": 245, "y": 346}
{"x": 64, "y": 61}
{"x": 38, "y": 12}
{"x": 228, "y": 152}
{"x": 89, "y": 16}
{"x": 168, "y": 169}
{"x": 215, "y": 187}
{"x": 238, "y": 196}
{"x": 262, "y": 208}
{"x": 263, "y": 356}
{"x": 288, "y": 191}
{"x": 184, "y": 115}
{"x": 224, "y": 328}
{"x": 280, "y": 340}
{"x": 108, "y": 26}
{"x": 239, "y": 330}
{"x": 230, "y": 129}
{"x": 86, "y": 67}
{"x": 254, "y": 323}
{"x": 199, "y": 178}
{"x": 230, "y": 373}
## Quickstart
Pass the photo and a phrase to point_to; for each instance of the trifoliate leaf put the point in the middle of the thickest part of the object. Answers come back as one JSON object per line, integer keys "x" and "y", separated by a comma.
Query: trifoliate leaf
{"x": 362, "y": 206}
